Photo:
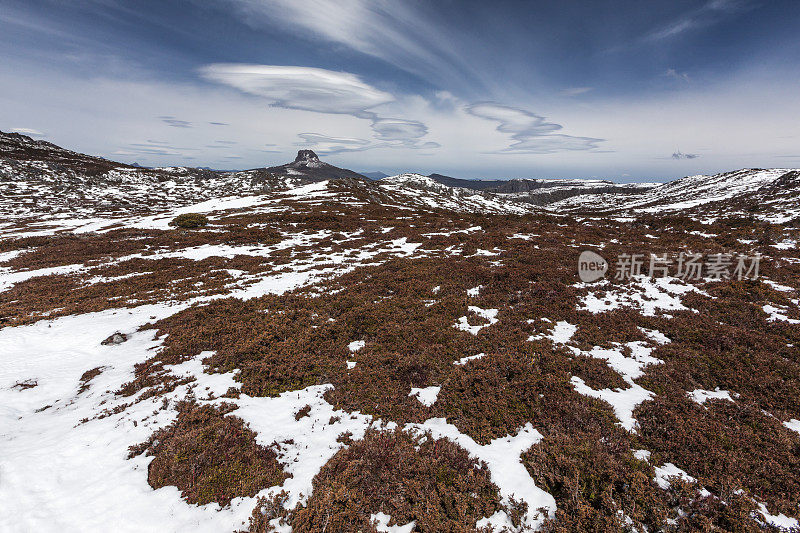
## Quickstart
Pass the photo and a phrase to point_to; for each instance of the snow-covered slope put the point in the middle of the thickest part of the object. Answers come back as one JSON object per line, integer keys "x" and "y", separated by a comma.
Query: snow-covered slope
{"x": 42, "y": 183}
{"x": 39, "y": 181}
{"x": 692, "y": 191}
{"x": 396, "y": 338}
{"x": 423, "y": 191}
{"x": 32, "y": 189}
{"x": 770, "y": 194}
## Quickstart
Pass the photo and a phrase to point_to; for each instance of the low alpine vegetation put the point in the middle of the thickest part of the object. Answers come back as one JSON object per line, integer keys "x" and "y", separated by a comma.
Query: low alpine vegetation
{"x": 190, "y": 220}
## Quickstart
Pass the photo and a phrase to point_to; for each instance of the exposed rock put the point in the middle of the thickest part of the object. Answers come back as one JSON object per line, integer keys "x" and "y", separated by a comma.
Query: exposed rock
{"x": 307, "y": 158}
{"x": 25, "y": 385}
{"x": 115, "y": 338}
{"x": 307, "y": 165}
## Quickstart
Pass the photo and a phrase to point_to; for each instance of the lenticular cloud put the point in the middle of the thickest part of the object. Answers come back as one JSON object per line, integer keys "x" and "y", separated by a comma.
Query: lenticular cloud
{"x": 304, "y": 88}
{"x": 323, "y": 91}
{"x": 532, "y": 133}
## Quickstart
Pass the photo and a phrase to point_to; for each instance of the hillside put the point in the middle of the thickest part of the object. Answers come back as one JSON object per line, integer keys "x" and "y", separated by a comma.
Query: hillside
{"x": 545, "y": 191}
{"x": 307, "y": 165}
{"x": 770, "y": 194}
{"x": 331, "y": 353}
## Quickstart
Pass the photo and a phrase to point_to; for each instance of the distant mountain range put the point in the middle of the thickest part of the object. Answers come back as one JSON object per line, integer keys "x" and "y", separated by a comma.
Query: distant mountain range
{"x": 378, "y": 175}
{"x": 38, "y": 178}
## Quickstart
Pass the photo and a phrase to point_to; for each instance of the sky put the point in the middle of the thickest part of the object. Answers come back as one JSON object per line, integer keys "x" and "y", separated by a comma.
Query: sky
{"x": 623, "y": 90}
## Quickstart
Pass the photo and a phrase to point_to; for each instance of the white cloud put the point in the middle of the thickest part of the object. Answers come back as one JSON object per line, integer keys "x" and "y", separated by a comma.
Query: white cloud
{"x": 153, "y": 148}
{"x": 519, "y": 122}
{"x": 675, "y": 75}
{"x": 391, "y": 129}
{"x": 325, "y": 144}
{"x": 320, "y": 138}
{"x": 551, "y": 144}
{"x": 532, "y": 133}
{"x": 322, "y": 91}
{"x": 28, "y": 131}
{"x": 706, "y": 15}
{"x": 400, "y": 33}
{"x": 575, "y": 91}
{"x": 305, "y": 88}
{"x": 741, "y": 121}
{"x": 446, "y": 96}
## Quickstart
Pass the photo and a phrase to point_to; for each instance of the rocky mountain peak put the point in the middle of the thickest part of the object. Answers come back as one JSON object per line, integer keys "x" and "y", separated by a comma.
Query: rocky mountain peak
{"x": 306, "y": 156}
{"x": 308, "y": 165}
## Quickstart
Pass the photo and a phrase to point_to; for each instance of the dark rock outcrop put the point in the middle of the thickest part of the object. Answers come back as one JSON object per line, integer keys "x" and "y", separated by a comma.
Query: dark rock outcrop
{"x": 307, "y": 165}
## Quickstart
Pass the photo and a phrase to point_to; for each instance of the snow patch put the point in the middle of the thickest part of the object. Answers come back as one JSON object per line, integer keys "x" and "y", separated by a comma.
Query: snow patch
{"x": 9, "y": 278}
{"x": 777, "y": 314}
{"x": 427, "y": 396}
{"x": 701, "y": 396}
{"x": 502, "y": 456}
{"x": 356, "y": 346}
{"x": 305, "y": 445}
{"x": 623, "y": 401}
{"x": 59, "y": 473}
{"x": 488, "y": 314}
{"x": 793, "y": 424}
{"x": 562, "y": 333}
{"x": 669, "y": 470}
{"x": 647, "y": 294}
{"x": 781, "y": 521}
{"x": 465, "y": 360}
{"x": 642, "y": 455}
{"x": 381, "y": 523}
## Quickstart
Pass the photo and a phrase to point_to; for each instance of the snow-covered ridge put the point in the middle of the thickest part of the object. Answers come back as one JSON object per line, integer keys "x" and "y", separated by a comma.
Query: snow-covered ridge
{"x": 41, "y": 181}
{"x": 34, "y": 189}
{"x": 754, "y": 187}
{"x": 423, "y": 191}
{"x": 412, "y": 179}
{"x": 695, "y": 190}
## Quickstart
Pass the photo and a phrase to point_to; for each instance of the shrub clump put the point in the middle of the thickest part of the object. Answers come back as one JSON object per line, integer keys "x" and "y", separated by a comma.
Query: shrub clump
{"x": 432, "y": 482}
{"x": 725, "y": 444}
{"x": 597, "y": 483}
{"x": 190, "y": 220}
{"x": 210, "y": 457}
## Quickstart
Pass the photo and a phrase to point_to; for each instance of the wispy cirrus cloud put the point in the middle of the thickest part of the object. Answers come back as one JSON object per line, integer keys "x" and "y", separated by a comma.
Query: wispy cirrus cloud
{"x": 403, "y": 34}
{"x": 706, "y": 15}
{"x": 322, "y": 91}
{"x": 532, "y": 133}
{"x": 575, "y": 91}
{"x": 174, "y": 122}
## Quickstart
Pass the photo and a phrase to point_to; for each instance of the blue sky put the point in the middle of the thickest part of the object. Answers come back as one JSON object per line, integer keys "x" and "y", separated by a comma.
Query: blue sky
{"x": 624, "y": 90}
